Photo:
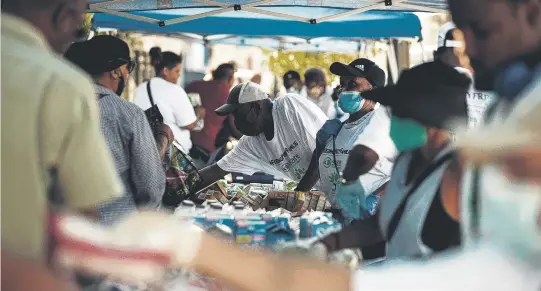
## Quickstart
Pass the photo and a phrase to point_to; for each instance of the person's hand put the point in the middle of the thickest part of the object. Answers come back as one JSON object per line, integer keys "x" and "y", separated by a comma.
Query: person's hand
{"x": 137, "y": 250}
{"x": 330, "y": 128}
{"x": 351, "y": 199}
{"x": 201, "y": 112}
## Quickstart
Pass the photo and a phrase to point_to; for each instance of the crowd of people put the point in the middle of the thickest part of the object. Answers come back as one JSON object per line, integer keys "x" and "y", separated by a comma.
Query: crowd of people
{"x": 438, "y": 212}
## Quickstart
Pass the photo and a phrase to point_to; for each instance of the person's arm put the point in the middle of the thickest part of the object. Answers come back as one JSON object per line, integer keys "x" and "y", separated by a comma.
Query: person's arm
{"x": 164, "y": 136}
{"x": 360, "y": 160}
{"x": 146, "y": 169}
{"x": 359, "y": 234}
{"x": 311, "y": 176}
{"x": 242, "y": 269}
{"x": 25, "y": 275}
{"x": 372, "y": 144}
{"x": 210, "y": 175}
{"x": 450, "y": 189}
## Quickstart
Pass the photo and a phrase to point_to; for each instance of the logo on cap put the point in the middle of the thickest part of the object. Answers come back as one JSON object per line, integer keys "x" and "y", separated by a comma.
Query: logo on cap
{"x": 360, "y": 67}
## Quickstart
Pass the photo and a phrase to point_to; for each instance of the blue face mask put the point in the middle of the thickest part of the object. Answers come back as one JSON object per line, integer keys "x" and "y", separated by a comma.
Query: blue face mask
{"x": 350, "y": 101}
{"x": 407, "y": 134}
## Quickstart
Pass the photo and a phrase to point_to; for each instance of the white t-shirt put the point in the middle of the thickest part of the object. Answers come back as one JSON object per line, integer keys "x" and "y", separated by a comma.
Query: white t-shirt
{"x": 372, "y": 131}
{"x": 478, "y": 101}
{"x": 325, "y": 102}
{"x": 174, "y": 105}
{"x": 288, "y": 154}
{"x": 481, "y": 269}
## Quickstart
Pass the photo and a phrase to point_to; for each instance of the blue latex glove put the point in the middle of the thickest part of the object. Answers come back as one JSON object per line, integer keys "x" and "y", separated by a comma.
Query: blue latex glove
{"x": 371, "y": 203}
{"x": 330, "y": 128}
{"x": 351, "y": 199}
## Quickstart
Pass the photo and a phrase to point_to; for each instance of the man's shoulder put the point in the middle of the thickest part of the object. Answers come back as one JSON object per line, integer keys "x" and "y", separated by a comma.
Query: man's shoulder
{"x": 60, "y": 75}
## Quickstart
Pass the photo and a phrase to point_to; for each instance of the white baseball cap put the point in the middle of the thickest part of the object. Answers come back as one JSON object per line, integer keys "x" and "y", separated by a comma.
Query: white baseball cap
{"x": 241, "y": 94}
{"x": 443, "y": 40}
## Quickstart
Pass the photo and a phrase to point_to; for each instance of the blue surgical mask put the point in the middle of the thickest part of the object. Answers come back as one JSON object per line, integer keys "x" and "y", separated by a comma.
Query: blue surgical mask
{"x": 350, "y": 101}
{"x": 407, "y": 134}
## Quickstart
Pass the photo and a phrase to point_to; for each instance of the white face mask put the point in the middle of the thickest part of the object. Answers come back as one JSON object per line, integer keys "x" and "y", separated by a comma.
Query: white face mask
{"x": 510, "y": 214}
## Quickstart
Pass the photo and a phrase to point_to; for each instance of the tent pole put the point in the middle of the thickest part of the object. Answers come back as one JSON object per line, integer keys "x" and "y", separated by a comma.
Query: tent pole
{"x": 419, "y": 7}
{"x": 392, "y": 61}
{"x": 355, "y": 11}
{"x": 125, "y": 15}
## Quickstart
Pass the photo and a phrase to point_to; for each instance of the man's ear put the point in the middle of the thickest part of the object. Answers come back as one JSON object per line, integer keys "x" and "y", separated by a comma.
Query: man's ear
{"x": 116, "y": 74}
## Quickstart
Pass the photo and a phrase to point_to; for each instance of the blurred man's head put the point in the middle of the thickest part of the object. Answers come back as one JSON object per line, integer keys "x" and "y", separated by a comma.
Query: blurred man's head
{"x": 248, "y": 104}
{"x": 106, "y": 58}
{"x": 497, "y": 32}
{"x": 315, "y": 81}
{"x": 61, "y": 21}
{"x": 225, "y": 72}
{"x": 292, "y": 81}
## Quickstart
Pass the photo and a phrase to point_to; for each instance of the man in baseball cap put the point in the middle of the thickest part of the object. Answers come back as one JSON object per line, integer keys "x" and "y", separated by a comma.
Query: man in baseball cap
{"x": 360, "y": 147}
{"x": 279, "y": 136}
{"x": 361, "y": 68}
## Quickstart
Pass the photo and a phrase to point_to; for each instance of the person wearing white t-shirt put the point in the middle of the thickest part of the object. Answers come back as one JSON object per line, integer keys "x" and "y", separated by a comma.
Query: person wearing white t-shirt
{"x": 279, "y": 137}
{"x": 363, "y": 137}
{"x": 316, "y": 90}
{"x": 171, "y": 99}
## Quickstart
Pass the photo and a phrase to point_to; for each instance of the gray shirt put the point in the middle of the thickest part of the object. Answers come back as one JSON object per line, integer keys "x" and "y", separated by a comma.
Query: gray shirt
{"x": 131, "y": 141}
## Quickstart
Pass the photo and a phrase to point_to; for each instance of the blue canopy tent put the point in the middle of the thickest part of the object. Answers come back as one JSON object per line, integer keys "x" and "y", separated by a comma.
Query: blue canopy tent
{"x": 305, "y": 19}
{"x": 371, "y": 24}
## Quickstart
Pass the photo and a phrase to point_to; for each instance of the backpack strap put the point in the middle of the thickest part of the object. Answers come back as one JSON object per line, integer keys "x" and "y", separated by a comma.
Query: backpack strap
{"x": 150, "y": 94}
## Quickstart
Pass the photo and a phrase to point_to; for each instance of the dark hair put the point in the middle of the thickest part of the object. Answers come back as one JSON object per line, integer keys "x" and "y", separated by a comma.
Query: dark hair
{"x": 224, "y": 72}
{"x": 315, "y": 75}
{"x": 163, "y": 60}
{"x": 289, "y": 77}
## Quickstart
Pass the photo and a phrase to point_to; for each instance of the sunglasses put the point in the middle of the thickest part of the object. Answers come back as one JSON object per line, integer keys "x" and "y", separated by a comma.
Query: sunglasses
{"x": 130, "y": 64}
{"x": 348, "y": 84}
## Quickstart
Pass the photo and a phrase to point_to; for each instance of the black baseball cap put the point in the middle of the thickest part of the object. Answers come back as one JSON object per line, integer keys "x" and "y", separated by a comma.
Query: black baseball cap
{"x": 100, "y": 54}
{"x": 363, "y": 68}
{"x": 432, "y": 94}
{"x": 241, "y": 94}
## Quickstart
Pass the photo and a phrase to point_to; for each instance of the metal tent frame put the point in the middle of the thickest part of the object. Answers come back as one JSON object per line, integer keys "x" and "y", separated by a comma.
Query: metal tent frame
{"x": 250, "y": 7}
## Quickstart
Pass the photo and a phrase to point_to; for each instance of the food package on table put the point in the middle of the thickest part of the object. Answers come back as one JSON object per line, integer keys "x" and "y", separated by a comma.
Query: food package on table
{"x": 296, "y": 202}
{"x": 215, "y": 191}
{"x": 317, "y": 224}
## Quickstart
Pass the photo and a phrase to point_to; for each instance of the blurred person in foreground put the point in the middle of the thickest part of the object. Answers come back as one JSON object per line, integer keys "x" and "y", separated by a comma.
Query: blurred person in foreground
{"x": 498, "y": 202}
{"x": 51, "y": 135}
{"x": 213, "y": 94}
{"x": 292, "y": 82}
{"x": 354, "y": 158}
{"x": 279, "y": 136}
{"x": 316, "y": 90}
{"x": 124, "y": 125}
